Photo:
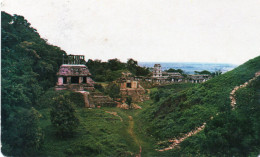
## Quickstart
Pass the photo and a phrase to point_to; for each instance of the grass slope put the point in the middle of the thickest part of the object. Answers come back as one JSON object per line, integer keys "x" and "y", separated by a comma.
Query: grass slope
{"x": 178, "y": 113}
{"x": 99, "y": 133}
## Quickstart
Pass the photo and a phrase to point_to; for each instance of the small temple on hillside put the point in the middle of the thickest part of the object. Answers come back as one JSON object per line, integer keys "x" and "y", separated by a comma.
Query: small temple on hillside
{"x": 130, "y": 86}
{"x": 74, "y": 75}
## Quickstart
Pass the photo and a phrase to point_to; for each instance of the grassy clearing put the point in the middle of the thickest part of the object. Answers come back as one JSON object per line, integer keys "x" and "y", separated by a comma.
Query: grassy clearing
{"x": 99, "y": 134}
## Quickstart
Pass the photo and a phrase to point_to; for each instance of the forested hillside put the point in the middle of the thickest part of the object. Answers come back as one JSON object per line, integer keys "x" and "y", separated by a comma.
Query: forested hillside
{"x": 228, "y": 132}
{"x": 29, "y": 66}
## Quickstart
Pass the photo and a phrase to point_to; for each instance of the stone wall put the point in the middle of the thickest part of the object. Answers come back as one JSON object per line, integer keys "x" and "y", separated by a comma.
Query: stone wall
{"x": 134, "y": 84}
{"x": 98, "y": 99}
{"x": 137, "y": 95}
{"x": 75, "y": 87}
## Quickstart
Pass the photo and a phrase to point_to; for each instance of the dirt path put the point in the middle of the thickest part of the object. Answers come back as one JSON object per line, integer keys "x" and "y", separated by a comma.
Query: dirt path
{"x": 115, "y": 114}
{"x": 177, "y": 141}
{"x": 131, "y": 132}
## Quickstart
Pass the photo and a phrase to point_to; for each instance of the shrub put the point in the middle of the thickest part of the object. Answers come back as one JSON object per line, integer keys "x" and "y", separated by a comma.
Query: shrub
{"x": 113, "y": 90}
{"x": 63, "y": 116}
{"x": 23, "y": 136}
{"x": 99, "y": 87}
{"x": 129, "y": 100}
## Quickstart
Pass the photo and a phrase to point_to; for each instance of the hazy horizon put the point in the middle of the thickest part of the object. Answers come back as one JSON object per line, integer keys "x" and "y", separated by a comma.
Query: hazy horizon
{"x": 192, "y": 62}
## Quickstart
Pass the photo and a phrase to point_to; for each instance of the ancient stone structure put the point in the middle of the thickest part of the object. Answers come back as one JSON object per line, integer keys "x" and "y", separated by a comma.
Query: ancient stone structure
{"x": 131, "y": 87}
{"x": 86, "y": 98}
{"x": 198, "y": 78}
{"x": 129, "y": 83}
{"x": 74, "y": 76}
{"x": 157, "y": 71}
{"x": 160, "y": 77}
{"x": 173, "y": 76}
{"x": 74, "y": 59}
{"x": 98, "y": 99}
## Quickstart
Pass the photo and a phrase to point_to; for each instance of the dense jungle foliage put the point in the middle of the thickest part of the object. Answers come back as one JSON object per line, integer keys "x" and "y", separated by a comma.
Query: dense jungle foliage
{"x": 231, "y": 132}
{"x": 113, "y": 68}
{"x": 29, "y": 65}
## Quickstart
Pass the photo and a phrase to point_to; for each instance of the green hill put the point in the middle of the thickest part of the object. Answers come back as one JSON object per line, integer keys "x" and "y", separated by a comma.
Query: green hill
{"x": 231, "y": 132}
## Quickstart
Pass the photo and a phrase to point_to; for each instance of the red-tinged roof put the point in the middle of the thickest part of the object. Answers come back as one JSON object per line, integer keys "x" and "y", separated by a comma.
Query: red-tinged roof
{"x": 73, "y": 70}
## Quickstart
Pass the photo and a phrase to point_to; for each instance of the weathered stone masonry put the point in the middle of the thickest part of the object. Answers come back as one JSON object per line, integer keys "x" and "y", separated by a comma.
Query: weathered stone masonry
{"x": 74, "y": 77}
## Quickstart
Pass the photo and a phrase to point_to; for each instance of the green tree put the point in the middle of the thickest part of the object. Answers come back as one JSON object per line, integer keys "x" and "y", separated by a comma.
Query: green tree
{"x": 140, "y": 71}
{"x": 112, "y": 70}
{"x": 216, "y": 73}
{"x": 203, "y": 72}
{"x": 22, "y": 136}
{"x": 175, "y": 70}
{"x": 63, "y": 116}
{"x": 115, "y": 64}
{"x": 113, "y": 90}
{"x": 129, "y": 100}
{"x": 99, "y": 87}
{"x": 131, "y": 65}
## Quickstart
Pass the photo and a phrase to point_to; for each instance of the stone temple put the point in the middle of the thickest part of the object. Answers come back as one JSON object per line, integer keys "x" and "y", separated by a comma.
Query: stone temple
{"x": 131, "y": 87}
{"x": 74, "y": 75}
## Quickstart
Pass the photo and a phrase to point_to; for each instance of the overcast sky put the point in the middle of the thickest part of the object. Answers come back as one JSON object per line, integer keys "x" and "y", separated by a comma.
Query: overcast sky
{"x": 225, "y": 31}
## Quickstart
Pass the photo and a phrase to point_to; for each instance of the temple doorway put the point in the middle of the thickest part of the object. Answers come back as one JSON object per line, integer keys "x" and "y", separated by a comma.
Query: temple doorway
{"x": 74, "y": 79}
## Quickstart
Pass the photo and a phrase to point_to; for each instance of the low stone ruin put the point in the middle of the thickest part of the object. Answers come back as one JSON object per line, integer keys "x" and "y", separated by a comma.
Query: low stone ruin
{"x": 130, "y": 87}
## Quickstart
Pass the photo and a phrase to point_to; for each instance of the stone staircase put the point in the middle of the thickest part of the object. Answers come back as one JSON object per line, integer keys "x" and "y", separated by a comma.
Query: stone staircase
{"x": 137, "y": 95}
{"x": 86, "y": 99}
{"x": 98, "y": 99}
